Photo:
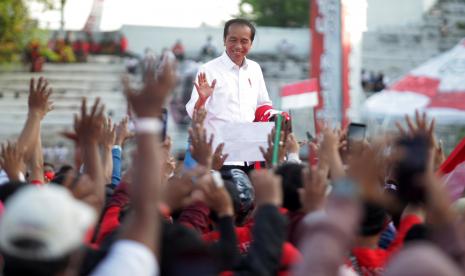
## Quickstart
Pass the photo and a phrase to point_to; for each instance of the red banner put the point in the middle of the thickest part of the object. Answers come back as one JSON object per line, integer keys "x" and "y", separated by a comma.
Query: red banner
{"x": 330, "y": 53}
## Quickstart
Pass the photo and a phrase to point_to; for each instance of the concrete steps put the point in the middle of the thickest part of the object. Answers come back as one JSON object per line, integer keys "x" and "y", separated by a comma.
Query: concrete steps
{"x": 101, "y": 77}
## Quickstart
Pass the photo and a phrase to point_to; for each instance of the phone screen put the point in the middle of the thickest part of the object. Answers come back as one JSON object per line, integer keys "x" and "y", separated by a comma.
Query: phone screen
{"x": 356, "y": 132}
{"x": 412, "y": 160}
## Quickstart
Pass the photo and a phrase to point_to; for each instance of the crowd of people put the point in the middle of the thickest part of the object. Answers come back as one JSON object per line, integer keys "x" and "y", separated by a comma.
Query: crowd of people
{"x": 355, "y": 207}
{"x": 73, "y": 47}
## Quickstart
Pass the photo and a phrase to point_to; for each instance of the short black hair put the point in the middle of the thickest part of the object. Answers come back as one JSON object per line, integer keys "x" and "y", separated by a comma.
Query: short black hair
{"x": 373, "y": 221}
{"x": 239, "y": 21}
{"x": 18, "y": 266}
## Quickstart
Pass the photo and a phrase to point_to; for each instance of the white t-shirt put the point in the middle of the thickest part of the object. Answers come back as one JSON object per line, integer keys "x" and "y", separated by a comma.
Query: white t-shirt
{"x": 128, "y": 257}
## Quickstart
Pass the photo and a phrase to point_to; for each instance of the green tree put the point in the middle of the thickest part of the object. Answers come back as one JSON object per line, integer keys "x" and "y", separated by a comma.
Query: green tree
{"x": 278, "y": 13}
{"x": 16, "y": 27}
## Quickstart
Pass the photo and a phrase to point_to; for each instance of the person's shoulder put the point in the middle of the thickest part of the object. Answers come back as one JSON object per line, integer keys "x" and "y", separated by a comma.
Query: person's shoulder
{"x": 211, "y": 66}
{"x": 254, "y": 65}
{"x": 214, "y": 62}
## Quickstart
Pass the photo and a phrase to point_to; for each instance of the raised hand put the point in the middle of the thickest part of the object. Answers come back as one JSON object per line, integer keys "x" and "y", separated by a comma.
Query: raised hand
{"x": 202, "y": 86}
{"x": 268, "y": 153}
{"x": 109, "y": 133}
{"x": 201, "y": 148}
{"x": 89, "y": 127}
{"x": 313, "y": 194}
{"x": 215, "y": 197}
{"x": 267, "y": 188}
{"x": 148, "y": 101}
{"x": 122, "y": 132}
{"x": 219, "y": 158}
{"x": 177, "y": 193}
{"x": 12, "y": 161}
{"x": 369, "y": 169}
{"x": 421, "y": 127}
{"x": 39, "y": 94}
{"x": 292, "y": 145}
{"x": 330, "y": 142}
{"x": 329, "y": 148}
{"x": 167, "y": 77}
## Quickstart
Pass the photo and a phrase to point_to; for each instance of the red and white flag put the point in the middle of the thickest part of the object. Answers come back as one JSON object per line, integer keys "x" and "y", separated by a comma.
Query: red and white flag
{"x": 300, "y": 95}
{"x": 453, "y": 171}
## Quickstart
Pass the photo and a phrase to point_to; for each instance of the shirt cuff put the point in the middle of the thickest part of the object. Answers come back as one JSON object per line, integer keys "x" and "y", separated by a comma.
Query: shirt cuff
{"x": 293, "y": 157}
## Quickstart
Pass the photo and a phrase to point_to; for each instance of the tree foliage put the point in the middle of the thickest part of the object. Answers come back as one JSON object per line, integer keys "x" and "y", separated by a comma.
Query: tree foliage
{"x": 16, "y": 27}
{"x": 278, "y": 13}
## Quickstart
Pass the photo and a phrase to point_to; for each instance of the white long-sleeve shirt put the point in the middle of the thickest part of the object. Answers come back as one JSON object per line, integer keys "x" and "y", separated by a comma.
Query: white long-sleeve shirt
{"x": 237, "y": 94}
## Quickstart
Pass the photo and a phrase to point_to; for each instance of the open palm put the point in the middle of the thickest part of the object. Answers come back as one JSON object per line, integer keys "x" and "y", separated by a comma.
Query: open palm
{"x": 204, "y": 89}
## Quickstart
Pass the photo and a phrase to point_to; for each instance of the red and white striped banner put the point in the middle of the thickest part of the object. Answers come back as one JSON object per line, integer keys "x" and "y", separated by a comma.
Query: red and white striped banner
{"x": 300, "y": 95}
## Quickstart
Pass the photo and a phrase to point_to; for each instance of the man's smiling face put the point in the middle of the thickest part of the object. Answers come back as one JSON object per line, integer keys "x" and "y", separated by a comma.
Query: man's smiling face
{"x": 238, "y": 42}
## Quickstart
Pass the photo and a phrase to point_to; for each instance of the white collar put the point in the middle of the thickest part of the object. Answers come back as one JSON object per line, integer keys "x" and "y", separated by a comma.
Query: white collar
{"x": 230, "y": 64}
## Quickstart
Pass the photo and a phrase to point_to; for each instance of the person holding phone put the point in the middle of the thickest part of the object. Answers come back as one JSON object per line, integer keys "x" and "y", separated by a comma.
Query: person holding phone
{"x": 231, "y": 87}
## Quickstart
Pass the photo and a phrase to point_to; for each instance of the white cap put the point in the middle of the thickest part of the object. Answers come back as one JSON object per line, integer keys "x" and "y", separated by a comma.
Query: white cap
{"x": 48, "y": 215}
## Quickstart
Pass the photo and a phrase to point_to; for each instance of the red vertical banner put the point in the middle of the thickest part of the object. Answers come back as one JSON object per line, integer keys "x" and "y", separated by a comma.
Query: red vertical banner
{"x": 330, "y": 55}
{"x": 316, "y": 50}
{"x": 346, "y": 51}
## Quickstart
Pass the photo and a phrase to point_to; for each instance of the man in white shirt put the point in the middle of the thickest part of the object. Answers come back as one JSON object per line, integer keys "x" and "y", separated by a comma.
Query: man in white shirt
{"x": 237, "y": 87}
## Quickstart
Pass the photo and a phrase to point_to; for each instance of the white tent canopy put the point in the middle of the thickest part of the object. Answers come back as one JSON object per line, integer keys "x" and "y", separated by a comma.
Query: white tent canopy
{"x": 437, "y": 87}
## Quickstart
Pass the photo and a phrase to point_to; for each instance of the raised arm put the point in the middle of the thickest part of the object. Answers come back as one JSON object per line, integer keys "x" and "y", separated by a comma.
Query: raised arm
{"x": 89, "y": 129}
{"x": 143, "y": 225}
{"x": 38, "y": 106}
{"x": 122, "y": 134}
{"x": 269, "y": 231}
{"x": 36, "y": 163}
{"x": 107, "y": 141}
{"x": 330, "y": 151}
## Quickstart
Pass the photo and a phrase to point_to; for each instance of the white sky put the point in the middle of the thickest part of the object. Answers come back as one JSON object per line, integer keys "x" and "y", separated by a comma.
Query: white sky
{"x": 179, "y": 13}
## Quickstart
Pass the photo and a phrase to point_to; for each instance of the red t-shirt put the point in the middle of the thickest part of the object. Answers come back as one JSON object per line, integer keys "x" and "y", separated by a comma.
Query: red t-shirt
{"x": 372, "y": 261}
{"x": 290, "y": 255}
{"x": 110, "y": 222}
